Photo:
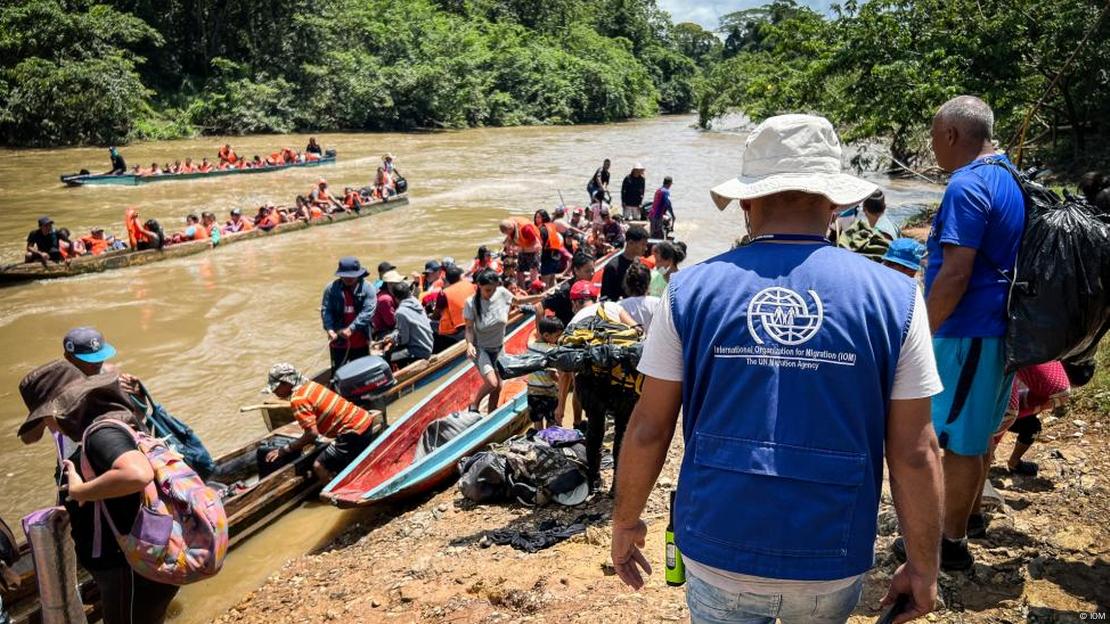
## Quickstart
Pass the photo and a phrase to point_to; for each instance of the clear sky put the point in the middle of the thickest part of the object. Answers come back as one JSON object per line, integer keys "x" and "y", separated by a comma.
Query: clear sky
{"x": 707, "y": 12}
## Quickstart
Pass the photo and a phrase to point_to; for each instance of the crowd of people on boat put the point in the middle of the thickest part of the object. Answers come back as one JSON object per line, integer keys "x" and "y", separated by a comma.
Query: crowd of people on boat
{"x": 46, "y": 244}
{"x": 406, "y": 319}
{"x": 226, "y": 160}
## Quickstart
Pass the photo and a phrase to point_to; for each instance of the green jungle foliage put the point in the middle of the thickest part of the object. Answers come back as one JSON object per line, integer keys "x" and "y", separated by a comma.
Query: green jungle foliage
{"x": 880, "y": 69}
{"x": 79, "y": 72}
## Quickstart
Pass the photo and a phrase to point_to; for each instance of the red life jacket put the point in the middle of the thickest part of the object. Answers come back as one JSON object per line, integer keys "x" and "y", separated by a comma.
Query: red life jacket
{"x": 358, "y": 338}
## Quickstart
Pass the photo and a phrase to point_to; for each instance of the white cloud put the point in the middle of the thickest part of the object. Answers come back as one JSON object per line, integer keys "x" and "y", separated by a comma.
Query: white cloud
{"x": 708, "y": 12}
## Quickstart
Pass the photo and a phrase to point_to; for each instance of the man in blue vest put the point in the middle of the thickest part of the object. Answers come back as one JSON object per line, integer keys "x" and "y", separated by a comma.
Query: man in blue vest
{"x": 972, "y": 249}
{"x": 795, "y": 364}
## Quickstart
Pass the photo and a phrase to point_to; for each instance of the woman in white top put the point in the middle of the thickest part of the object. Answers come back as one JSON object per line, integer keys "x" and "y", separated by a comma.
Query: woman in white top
{"x": 487, "y": 316}
{"x": 639, "y": 305}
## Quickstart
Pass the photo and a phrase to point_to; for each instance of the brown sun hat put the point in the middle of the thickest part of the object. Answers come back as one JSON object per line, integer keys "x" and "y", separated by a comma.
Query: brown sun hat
{"x": 76, "y": 403}
{"x": 41, "y": 385}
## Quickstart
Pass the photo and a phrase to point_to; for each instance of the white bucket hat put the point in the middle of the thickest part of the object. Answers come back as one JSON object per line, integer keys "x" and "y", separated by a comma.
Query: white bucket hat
{"x": 792, "y": 153}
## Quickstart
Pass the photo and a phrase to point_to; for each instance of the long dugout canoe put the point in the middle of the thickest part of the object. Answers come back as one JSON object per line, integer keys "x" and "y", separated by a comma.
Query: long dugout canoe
{"x": 130, "y": 179}
{"x": 28, "y": 271}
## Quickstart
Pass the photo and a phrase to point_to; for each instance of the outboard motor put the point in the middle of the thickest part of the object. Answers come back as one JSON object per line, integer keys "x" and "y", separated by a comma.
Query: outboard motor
{"x": 360, "y": 379}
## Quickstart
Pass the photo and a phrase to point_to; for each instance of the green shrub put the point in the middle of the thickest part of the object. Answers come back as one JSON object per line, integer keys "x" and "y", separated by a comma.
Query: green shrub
{"x": 71, "y": 102}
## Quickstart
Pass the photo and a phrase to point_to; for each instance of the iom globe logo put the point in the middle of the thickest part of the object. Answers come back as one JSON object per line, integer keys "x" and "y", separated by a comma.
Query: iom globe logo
{"x": 784, "y": 316}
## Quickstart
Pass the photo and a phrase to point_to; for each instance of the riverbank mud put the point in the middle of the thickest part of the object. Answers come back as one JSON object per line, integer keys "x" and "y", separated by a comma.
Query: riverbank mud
{"x": 1046, "y": 557}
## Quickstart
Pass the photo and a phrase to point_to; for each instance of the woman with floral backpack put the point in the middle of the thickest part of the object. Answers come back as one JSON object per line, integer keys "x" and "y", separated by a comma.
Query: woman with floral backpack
{"x": 116, "y": 472}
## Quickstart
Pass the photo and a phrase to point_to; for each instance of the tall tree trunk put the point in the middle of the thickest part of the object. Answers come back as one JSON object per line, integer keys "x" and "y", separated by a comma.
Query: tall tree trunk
{"x": 1079, "y": 142}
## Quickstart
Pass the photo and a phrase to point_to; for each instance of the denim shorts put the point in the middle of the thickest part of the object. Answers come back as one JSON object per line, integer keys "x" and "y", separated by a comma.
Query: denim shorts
{"x": 976, "y": 393}
{"x": 710, "y": 604}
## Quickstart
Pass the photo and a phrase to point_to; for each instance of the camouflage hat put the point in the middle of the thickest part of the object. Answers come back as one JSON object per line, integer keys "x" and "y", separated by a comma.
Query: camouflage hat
{"x": 283, "y": 372}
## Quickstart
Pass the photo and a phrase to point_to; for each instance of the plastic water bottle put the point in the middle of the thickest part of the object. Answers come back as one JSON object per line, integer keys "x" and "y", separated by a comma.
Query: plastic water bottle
{"x": 675, "y": 570}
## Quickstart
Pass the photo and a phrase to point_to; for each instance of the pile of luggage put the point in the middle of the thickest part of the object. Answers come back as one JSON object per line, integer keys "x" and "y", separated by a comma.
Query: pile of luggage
{"x": 536, "y": 469}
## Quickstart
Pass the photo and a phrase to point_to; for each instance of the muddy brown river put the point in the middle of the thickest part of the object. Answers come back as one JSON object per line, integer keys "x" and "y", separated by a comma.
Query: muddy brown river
{"x": 202, "y": 331}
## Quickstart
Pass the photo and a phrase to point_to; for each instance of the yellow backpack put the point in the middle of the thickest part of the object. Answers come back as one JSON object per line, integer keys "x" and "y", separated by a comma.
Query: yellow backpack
{"x": 610, "y": 342}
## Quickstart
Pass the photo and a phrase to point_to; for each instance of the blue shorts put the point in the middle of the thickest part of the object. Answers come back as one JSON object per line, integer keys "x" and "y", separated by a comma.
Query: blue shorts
{"x": 976, "y": 393}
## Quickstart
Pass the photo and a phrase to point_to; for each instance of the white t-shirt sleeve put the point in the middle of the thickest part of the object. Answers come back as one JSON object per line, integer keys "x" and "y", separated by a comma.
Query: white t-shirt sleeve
{"x": 662, "y": 356}
{"x": 915, "y": 376}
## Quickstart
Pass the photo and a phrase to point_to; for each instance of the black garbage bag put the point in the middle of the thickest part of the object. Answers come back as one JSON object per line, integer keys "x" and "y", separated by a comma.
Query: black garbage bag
{"x": 510, "y": 366}
{"x": 568, "y": 359}
{"x": 483, "y": 477}
{"x": 1060, "y": 305}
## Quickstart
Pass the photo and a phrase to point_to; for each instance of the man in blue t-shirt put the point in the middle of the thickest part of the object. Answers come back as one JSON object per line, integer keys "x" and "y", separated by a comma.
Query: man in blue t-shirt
{"x": 972, "y": 250}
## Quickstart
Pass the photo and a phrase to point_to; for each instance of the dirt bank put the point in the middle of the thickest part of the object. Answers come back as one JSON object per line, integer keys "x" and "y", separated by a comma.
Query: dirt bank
{"x": 1046, "y": 559}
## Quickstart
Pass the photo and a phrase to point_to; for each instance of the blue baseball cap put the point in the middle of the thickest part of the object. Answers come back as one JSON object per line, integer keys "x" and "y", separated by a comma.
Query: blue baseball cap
{"x": 906, "y": 252}
{"x": 88, "y": 345}
{"x": 349, "y": 266}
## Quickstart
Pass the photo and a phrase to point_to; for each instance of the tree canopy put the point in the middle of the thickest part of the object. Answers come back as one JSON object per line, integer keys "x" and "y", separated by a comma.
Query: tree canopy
{"x": 881, "y": 68}
{"x": 79, "y": 71}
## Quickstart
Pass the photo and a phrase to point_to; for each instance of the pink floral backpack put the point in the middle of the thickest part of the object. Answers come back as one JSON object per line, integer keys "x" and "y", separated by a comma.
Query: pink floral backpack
{"x": 180, "y": 533}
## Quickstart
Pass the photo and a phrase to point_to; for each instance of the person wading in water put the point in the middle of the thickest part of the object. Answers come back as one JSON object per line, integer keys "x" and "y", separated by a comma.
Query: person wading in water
{"x": 795, "y": 364}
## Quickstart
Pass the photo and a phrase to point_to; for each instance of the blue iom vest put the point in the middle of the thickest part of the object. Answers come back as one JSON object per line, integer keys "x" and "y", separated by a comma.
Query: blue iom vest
{"x": 789, "y": 353}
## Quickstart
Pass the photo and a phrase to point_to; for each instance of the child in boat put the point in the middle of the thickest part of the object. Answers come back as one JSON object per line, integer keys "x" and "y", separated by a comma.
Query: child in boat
{"x": 205, "y": 166}
{"x": 544, "y": 407}
{"x": 208, "y": 222}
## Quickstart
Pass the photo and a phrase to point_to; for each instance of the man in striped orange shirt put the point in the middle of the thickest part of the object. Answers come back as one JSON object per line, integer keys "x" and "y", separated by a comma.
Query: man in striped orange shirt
{"x": 321, "y": 413}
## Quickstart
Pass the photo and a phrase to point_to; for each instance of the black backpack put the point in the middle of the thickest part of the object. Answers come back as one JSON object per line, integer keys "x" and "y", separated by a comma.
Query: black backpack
{"x": 1059, "y": 303}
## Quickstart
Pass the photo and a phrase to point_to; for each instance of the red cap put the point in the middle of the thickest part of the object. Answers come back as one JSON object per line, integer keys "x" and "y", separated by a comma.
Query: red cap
{"x": 584, "y": 289}
{"x": 537, "y": 285}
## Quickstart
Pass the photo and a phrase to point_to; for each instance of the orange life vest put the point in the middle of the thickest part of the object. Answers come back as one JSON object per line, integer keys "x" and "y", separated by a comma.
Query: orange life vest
{"x": 204, "y": 168}
{"x": 288, "y": 155}
{"x": 134, "y": 229}
{"x": 311, "y": 157}
{"x": 199, "y": 232}
{"x": 271, "y": 220}
{"x": 519, "y": 239}
{"x": 314, "y": 212}
{"x": 351, "y": 198}
{"x": 94, "y": 245}
{"x": 228, "y": 156}
{"x": 275, "y": 159}
{"x": 322, "y": 196}
{"x": 553, "y": 242}
{"x": 451, "y": 320}
{"x": 244, "y": 225}
{"x": 187, "y": 169}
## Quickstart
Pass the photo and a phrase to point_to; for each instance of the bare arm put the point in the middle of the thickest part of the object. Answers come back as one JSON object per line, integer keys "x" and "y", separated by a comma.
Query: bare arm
{"x": 913, "y": 456}
{"x": 129, "y": 474}
{"x": 951, "y": 284}
{"x": 308, "y": 437}
{"x": 650, "y": 430}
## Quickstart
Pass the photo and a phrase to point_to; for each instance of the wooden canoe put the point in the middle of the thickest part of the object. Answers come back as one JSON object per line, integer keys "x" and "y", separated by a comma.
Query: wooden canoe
{"x": 130, "y": 179}
{"x": 26, "y": 272}
{"x": 386, "y": 469}
{"x": 415, "y": 376}
{"x": 255, "y": 504}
